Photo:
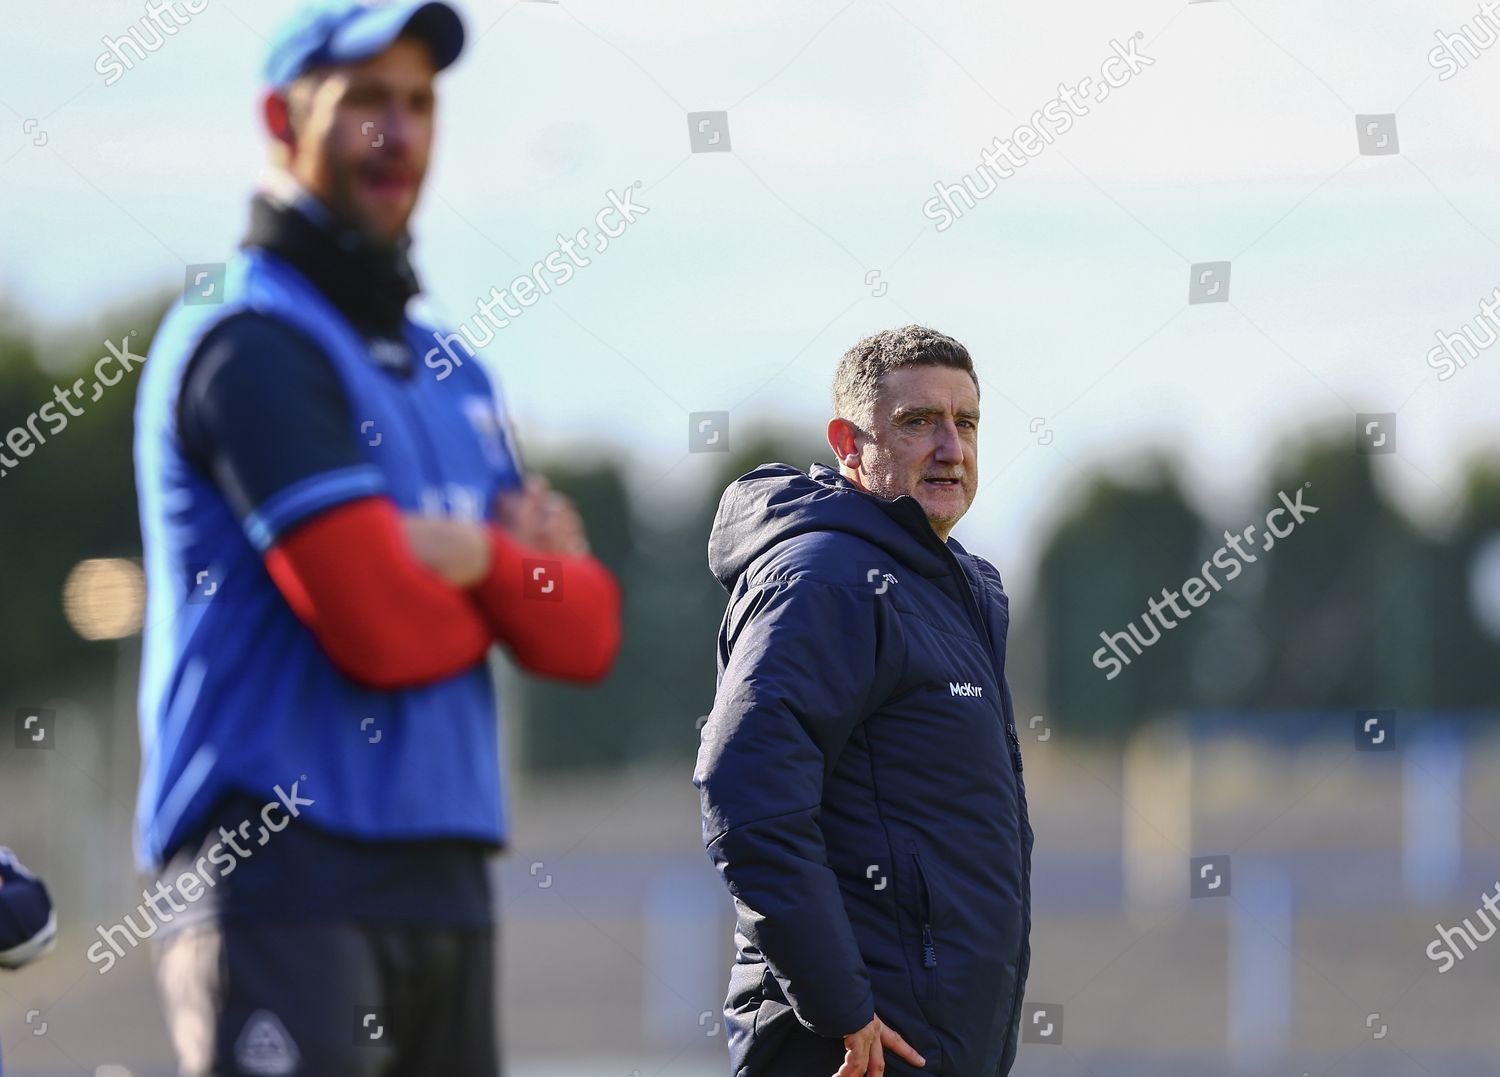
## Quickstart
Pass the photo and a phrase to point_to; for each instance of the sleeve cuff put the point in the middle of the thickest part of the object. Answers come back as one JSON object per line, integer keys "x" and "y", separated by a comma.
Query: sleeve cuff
{"x": 849, "y": 1022}
{"x": 286, "y": 508}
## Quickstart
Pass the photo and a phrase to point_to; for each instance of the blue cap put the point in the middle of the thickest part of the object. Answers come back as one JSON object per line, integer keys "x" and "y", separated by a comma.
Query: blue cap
{"x": 323, "y": 32}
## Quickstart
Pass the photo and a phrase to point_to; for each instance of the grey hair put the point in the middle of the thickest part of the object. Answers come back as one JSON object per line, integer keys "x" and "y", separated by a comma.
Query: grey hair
{"x": 857, "y": 379}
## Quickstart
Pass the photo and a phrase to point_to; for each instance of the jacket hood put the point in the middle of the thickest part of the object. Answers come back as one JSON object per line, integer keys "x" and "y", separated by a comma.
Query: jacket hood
{"x": 776, "y": 502}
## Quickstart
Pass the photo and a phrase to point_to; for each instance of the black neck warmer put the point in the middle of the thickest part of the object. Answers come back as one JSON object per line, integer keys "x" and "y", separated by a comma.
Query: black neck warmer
{"x": 368, "y": 283}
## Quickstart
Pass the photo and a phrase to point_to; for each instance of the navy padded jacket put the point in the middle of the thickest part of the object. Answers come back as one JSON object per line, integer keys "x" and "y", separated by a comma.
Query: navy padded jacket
{"x": 28, "y": 926}
{"x": 860, "y": 777}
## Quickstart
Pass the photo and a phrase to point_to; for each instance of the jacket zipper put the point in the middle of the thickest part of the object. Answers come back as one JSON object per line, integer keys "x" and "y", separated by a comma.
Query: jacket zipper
{"x": 971, "y": 605}
{"x": 977, "y": 616}
{"x": 1014, "y": 741}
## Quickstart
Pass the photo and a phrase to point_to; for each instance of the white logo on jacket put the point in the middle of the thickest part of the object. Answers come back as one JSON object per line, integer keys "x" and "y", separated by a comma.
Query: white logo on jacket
{"x": 964, "y": 688}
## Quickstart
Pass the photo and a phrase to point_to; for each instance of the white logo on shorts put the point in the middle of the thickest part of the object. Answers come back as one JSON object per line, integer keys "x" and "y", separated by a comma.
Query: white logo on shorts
{"x": 265, "y": 1047}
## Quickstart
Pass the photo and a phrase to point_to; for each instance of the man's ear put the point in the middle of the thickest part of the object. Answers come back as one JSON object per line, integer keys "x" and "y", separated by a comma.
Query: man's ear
{"x": 277, "y": 113}
{"x": 843, "y": 439}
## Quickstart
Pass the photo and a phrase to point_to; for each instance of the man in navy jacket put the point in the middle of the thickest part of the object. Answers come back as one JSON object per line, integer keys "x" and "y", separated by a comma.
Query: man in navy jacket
{"x": 860, "y": 771}
{"x": 28, "y": 926}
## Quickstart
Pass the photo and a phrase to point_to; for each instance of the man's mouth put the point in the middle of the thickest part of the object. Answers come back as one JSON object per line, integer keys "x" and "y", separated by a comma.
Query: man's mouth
{"x": 943, "y": 482}
{"x": 389, "y": 182}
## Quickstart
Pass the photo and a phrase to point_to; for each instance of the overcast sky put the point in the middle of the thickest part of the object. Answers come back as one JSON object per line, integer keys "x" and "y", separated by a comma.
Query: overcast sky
{"x": 755, "y": 268}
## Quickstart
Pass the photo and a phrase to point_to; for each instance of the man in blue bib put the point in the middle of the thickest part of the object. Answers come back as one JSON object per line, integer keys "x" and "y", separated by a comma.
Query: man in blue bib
{"x": 335, "y": 538}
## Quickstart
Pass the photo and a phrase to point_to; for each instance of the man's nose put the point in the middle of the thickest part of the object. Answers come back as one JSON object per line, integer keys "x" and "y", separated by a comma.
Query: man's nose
{"x": 392, "y": 129}
{"x": 950, "y": 447}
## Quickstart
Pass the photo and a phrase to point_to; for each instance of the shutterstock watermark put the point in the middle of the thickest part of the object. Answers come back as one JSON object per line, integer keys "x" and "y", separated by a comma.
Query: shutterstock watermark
{"x": 1200, "y": 588}
{"x": 553, "y": 271}
{"x": 1449, "y": 354}
{"x": 1032, "y": 138}
{"x": 1445, "y": 952}
{"x": 150, "y": 32}
{"x": 192, "y": 885}
{"x": 1456, "y": 51}
{"x": 25, "y": 437}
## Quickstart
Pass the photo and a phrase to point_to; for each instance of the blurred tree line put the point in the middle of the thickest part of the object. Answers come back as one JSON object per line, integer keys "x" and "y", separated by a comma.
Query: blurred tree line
{"x": 1357, "y": 608}
{"x": 69, "y": 499}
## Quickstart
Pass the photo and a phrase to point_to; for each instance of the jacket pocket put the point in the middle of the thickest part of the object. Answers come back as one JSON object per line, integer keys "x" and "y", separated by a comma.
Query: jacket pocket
{"x": 927, "y": 958}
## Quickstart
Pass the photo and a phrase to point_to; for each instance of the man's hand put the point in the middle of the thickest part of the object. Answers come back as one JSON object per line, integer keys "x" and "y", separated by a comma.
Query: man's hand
{"x": 864, "y": 1051}
{"x": 457, "y": 550}
{"x": 540, "y": 517}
